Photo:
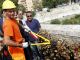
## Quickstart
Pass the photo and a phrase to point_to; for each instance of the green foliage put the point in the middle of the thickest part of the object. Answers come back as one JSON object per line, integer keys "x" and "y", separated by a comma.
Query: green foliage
{"x": 62, "y": 1}
{"x": 21, "y": 8}
{"x": 15, "y": 1}
{"x": 53, "y": 3}
{"x": 74, "y": 20}
{"x": 33, "y": 13}
{"x": 1, "y": 1}
{"x": 49, "y": 3}
{"x": 71, "y": 21}
{"x": 37, "y": 5}
{"x": 56, "y": 21}
{"x": 77, "y": 16}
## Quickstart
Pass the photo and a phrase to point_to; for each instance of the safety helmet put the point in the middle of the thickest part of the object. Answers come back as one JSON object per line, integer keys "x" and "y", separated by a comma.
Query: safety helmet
{"x": 7, "y": 4}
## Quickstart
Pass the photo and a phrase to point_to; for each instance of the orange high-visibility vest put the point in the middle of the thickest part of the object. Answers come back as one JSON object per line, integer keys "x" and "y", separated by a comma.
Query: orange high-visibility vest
{"x": 10, "y": 28}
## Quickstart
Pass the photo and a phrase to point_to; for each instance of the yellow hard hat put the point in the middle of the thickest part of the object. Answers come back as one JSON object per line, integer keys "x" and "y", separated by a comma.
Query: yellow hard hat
{"x": 7, "y": 4}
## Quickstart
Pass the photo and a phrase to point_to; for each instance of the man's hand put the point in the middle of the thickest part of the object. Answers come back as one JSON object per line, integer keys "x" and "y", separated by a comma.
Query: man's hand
{"x": 26, "y": 28}
{"x": 22, "y": 41}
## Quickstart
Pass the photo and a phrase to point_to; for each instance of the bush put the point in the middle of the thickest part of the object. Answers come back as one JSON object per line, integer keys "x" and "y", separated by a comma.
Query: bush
{"x": 74, "y": 20}
{"x": 56, "y": 21}
{"x": 77, "y": 16}
{"x": 70, "y": 21}
{"x": 33, "y": 13}
{"x": 53, "y": 3}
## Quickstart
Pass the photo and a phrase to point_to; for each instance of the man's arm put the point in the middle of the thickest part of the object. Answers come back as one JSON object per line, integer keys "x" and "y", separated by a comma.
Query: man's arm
{"x": 1, "y": 34}
{"x": 9, "y": 42}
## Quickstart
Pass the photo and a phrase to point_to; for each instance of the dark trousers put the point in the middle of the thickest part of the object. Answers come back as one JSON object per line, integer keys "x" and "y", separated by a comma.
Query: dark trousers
{"x": 28, "y": 53}
{"x": 37, "y": 52}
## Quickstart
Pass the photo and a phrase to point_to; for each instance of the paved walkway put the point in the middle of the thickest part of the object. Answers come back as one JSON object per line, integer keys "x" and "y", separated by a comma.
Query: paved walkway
{"x": 58, "y": 13}
{"x": 70, "y": 30}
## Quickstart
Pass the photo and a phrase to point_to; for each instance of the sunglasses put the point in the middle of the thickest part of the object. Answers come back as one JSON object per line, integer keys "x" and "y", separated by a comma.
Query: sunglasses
{"x": 29, "y": 16}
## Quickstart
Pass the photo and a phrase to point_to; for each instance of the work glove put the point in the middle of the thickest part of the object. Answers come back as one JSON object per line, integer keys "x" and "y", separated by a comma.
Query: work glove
{"x": 27, "y": 29}
{"x": 25, "y": 44}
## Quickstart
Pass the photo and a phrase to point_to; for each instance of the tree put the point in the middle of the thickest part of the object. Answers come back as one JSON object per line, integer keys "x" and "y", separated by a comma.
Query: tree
{"x": 16, "y": 3}
{"x": 48, "y": 3}
{"x": 53, "y": 3}
{"x": 1, "y": 1}
{"x": 21, "y": 8}
{"x": 56, "y": 21}
{"x": 37, "y": 5}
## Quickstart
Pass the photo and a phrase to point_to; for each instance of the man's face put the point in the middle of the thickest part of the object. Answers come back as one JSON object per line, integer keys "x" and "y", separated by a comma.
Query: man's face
{"x": 20, "y": 15}
{"x": 29, "y": 16}
{"x": 10, "y": 13}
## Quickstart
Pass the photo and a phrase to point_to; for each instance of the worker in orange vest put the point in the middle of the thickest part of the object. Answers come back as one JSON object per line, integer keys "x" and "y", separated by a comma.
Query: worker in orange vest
{"x": 12, "y": 36}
